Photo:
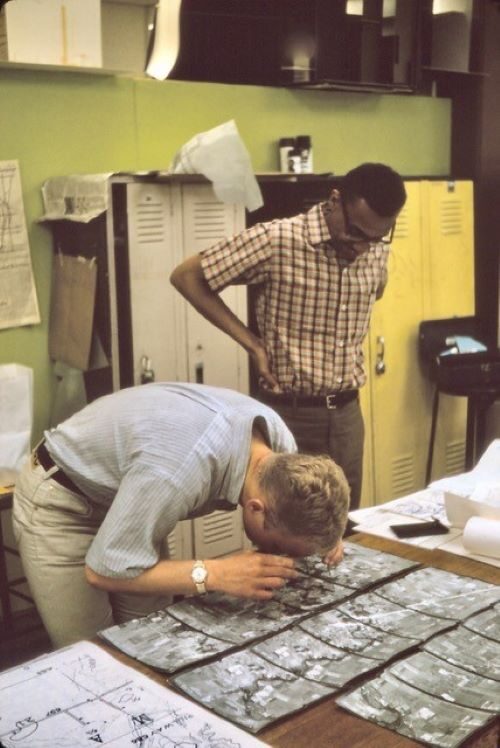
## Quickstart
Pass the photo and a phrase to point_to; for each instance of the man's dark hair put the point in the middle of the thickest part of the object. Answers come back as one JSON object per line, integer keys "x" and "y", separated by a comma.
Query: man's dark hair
{"x": 381, "y": 187}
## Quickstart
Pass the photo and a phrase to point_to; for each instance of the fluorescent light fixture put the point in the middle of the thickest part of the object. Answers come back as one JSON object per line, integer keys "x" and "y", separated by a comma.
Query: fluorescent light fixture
{"x": 165, "y": 47}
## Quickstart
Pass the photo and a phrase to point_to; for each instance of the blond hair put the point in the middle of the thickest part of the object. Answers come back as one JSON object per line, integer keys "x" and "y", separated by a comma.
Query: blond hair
{"x": 307, "y": 496}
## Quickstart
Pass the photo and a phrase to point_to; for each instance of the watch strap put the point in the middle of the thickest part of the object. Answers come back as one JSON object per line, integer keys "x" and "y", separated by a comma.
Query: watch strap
{"x": 199, "y": 583}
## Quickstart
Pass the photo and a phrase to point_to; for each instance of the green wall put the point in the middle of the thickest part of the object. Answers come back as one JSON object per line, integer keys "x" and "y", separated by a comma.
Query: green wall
{"x": 64, "y": 123}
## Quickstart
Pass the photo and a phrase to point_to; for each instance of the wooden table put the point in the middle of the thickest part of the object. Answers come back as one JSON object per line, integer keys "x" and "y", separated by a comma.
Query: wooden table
{"x": 325, "y": 725}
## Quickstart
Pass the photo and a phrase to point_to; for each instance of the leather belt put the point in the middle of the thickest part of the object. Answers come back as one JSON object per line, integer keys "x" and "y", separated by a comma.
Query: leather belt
{"x": 43, "y": 458}
{"x": 331, "y": 402}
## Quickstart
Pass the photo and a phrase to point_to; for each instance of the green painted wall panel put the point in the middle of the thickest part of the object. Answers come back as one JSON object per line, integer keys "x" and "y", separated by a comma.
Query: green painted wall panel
{"x": 412, "y": 133}
{"x": 64, "y": 123}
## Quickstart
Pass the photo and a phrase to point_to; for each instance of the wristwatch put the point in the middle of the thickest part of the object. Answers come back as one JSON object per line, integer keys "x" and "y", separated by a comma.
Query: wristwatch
{"x": 199, "y": 576}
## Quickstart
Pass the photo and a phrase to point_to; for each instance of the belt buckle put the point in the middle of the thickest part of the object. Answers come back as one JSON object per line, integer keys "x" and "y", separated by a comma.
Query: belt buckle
{"x": 331, "y": 402}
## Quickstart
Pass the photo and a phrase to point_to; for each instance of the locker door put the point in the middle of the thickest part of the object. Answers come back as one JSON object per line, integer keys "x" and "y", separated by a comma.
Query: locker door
{"x": 213, "y": 358}
{"x": 154, "y": 250}
{"x": 367, "y": 489}
{"x": 218, "y": 534}
{"x": 399, "y": 426}
{"x": 448, "y": 242}
{"x": 180, "y": 541}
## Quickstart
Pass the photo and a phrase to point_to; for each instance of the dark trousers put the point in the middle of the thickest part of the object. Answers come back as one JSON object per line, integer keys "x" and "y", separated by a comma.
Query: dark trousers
{"x": 339, "y": 433}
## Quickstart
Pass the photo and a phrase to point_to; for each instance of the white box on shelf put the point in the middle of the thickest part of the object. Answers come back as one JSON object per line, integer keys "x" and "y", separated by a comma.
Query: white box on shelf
{"x": 52, "y": 32}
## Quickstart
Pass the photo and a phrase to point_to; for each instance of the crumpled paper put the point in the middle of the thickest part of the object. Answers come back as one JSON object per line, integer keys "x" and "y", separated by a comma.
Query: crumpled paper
{"x": 221, "y": 156}
{"x": 476, "y": 493}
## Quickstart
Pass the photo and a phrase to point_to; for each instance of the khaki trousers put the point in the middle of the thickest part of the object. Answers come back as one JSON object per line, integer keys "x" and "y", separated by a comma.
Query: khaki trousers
{"x": 54, "y": 528}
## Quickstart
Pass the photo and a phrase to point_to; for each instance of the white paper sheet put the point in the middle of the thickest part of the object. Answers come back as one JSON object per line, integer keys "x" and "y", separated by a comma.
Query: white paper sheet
{"x": 376, "y": 520}
{"x": 221, "y": 156}
{"x": 16, "y": 416}
{"x": 77, "y": 197}
{"x": 476, "y": 493}
{"x": 81, "y": 696}
{"x": 18, "y": 300}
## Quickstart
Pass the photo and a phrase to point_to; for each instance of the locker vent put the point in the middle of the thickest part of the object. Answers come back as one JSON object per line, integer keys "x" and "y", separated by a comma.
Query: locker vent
{"x": 451, "y": 217}
{"x": 209, "y": 219}
{"x": 455, "y": 458}
{"x": 403, "y": 477}
{"x": 402, "y": 230}
{"x": 173, "y": 551}
{"x": 150, "y": 220}
{"x": 218, "y": 526}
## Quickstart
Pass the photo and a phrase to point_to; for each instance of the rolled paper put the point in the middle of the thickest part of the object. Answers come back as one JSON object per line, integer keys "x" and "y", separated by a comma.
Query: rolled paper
{"x": 482, "y": 536}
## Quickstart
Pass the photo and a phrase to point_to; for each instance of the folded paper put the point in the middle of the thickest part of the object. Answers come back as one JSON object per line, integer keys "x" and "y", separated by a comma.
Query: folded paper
{"x": 476, "y": 493}
{"x": 221, "y": 156}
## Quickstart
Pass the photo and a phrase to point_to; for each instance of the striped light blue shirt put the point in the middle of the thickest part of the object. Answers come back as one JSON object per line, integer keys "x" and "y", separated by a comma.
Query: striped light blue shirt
{"x": 156, "y": 454}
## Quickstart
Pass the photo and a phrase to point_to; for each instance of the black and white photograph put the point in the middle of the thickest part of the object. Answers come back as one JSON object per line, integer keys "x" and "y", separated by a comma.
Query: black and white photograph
{"x": 306, "y": 593}
{"x": 383, "y": 614}
{"x": 302, "y": 654}
{"x": 248, "y": 690}
{"x": 438, "y": 678}
{"x": 486, "y": 623}
{"x": 342, "y": 631}
{"x": 406, "y": 710}
{"x": 467, "y": 650}
{"x": 234, "y": 619}
{"x": 163, "y": 642}
{"x": 441, "y": 593}
{"x": 361, "y": 567}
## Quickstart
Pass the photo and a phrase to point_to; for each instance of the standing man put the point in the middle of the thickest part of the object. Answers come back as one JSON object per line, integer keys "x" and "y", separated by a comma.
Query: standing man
{"x": 316, "y": 277}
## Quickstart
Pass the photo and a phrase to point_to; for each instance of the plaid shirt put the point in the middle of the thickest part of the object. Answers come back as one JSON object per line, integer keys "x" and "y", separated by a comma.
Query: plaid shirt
{"x": 312, "y": 309}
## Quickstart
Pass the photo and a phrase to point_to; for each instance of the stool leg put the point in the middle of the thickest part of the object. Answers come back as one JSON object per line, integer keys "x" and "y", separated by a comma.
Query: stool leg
{"x": 470, "y": 434}
{"x": 4, "y": 586}
{"x": 435, "y": 405}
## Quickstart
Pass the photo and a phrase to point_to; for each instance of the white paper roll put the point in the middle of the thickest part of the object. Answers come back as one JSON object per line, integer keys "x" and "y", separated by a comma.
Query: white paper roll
{"x": 482, "y": 536}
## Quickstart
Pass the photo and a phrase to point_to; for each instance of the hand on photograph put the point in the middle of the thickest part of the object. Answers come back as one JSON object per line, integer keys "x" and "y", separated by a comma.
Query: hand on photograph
{"x": 250, "y": 574}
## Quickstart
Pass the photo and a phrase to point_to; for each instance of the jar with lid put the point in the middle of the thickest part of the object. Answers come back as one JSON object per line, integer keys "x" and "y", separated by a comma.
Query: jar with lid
{"x": 304, "y": 146}
{"x": 285, "y": 146}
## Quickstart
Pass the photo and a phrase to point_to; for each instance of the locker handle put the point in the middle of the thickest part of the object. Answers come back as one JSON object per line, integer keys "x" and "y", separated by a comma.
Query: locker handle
{"x": 198, "y": 367}
{"x": 380, "y": 363}
{"x": 147, "y": 373}
{"x": 198, "y": 373}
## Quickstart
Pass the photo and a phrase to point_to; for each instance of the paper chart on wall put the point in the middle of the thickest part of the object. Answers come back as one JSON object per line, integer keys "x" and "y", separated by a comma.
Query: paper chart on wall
{"x": 81, "y": 696}
{"x": 18, "y": 300}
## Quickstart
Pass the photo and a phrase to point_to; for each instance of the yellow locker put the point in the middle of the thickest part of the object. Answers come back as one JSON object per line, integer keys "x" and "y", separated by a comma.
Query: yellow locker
{"x": 448, "y": 248}
{"x": 397, "y": 389}
{"x": 448, "y": 254}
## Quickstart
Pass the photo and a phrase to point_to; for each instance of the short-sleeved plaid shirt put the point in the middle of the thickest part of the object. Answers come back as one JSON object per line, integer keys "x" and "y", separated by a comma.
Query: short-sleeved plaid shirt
{"x": 312, "y": 309}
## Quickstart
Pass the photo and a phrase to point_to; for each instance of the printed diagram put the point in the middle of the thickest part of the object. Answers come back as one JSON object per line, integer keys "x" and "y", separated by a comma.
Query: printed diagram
{"x": 18, "y": 302}
{"x": 11, "y": 232}
{"x": 80, "y": 696}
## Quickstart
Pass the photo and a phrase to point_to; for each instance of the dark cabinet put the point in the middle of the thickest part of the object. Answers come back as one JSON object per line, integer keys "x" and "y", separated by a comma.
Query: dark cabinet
{"x": 325, "y": 43}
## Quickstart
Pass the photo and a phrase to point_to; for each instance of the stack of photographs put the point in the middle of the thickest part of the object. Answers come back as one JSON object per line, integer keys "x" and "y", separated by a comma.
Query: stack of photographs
{"x": 248, "y": 690}
{"x": 441, "y": 593}
{"x": 174, "y": 638}
{"x": 328, "y": 629}
{"x": 467, "y": 650}
{"x": 360, "y": 568}
{"x": 163, "y": 642}
{"x": 393, "y": 704}
{"x": 446, "y": 692}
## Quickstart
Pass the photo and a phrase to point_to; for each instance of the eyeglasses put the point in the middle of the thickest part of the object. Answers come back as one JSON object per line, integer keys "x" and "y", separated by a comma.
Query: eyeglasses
{"x": 355, "y": 235}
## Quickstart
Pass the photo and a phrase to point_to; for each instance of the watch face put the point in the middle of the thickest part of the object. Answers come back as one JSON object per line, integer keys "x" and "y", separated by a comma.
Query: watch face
{"x": 199, "y": 575}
